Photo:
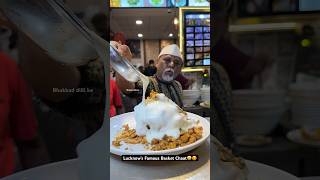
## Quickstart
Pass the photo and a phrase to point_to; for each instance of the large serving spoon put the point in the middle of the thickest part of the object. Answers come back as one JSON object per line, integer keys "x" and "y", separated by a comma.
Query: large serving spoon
{"x": 65, "y": 38}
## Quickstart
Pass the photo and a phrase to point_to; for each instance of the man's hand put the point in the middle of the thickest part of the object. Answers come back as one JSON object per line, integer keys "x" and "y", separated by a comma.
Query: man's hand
{"x": 124, "y": 50}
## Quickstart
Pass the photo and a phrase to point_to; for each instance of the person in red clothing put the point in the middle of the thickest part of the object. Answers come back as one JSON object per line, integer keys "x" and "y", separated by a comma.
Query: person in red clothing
{"x": 185, "y": 82}
{"x": 17, "y": 120}
{"x": 115, "y": 98}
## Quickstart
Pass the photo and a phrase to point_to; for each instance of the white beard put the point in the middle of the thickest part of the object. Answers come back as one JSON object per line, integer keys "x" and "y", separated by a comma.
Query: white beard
{"x": 167, "y": 77}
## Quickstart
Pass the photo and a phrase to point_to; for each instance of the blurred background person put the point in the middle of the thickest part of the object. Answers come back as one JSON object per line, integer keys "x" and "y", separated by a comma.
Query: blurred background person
{"x": 141, "y": 69}
{"x": 151, "y": 69}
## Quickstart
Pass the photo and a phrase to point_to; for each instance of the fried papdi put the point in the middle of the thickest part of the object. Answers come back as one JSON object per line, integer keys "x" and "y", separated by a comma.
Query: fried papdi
{"x": 129, "y": 136}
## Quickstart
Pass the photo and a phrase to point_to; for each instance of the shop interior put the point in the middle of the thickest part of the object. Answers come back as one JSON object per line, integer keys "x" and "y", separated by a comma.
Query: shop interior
{"x": 148, "y": 30}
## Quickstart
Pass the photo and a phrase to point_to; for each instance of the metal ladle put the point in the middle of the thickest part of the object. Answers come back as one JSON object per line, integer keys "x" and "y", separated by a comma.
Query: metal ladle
{"x": 65, "y": 38}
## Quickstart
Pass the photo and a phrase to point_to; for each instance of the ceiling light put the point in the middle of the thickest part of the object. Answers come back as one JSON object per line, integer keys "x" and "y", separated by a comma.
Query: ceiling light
{"x": 175, "y": 21}
{"x": 140, "y": 35}
{"x": 139, "y": 22}
{"x": 170, "y": 35}
{"x": 201, "y": 16}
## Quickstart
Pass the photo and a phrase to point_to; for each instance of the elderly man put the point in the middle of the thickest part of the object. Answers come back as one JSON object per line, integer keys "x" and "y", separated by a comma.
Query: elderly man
{"x": 168, "y": 64}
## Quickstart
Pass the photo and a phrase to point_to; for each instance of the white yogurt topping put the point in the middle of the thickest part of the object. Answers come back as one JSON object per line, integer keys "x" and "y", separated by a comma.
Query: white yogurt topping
{"x": 159, "y": 118}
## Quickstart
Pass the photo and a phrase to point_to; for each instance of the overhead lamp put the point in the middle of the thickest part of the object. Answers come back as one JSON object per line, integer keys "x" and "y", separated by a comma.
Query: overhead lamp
{"x": 175, "y": 21}
{"x": 139, "y": 22}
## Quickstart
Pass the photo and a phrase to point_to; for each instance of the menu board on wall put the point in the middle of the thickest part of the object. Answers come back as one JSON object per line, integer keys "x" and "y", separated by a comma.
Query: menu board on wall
{"x": 197, "y": 39}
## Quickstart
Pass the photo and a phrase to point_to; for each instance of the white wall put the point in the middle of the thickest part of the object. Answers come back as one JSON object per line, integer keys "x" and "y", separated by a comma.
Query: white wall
{"x": 152, "y": 50}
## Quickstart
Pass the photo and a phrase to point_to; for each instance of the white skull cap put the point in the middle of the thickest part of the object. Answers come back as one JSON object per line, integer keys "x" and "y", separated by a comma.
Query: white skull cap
{"x": 171, "y": 49}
